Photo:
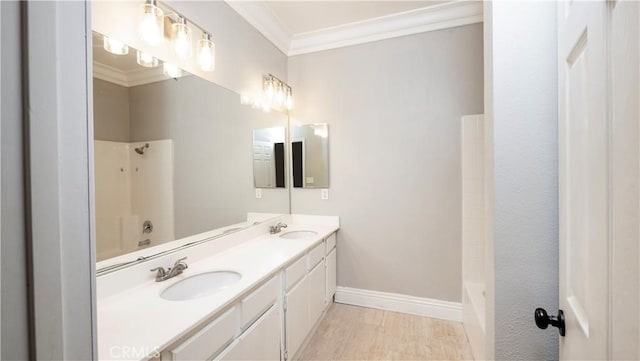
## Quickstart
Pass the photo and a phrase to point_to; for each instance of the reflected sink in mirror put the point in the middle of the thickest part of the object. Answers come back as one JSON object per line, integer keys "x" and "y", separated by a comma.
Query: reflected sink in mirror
{"x": 298, "y": 234}
{"x": 200, "y": 285}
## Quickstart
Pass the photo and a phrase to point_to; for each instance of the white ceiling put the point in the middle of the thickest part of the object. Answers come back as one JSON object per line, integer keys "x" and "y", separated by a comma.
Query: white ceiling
{"x": 305, "y": 26}
{"x": 306, "y": 16}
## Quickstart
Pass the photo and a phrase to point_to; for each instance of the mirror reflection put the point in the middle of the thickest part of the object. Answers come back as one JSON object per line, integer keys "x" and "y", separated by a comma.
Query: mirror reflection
{"x": 310, "y": 155}
{"x": 173, "y": 156}
{"x": 268, "y": 157}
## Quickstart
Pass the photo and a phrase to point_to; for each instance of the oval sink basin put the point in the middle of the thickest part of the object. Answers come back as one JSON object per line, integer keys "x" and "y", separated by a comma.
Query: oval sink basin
{"x": 201, "y": 285}
{"x": 299, "y": 234}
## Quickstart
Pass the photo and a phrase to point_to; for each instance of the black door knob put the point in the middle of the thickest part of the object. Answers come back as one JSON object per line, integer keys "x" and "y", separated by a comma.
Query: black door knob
{"x": 543, "y": 320}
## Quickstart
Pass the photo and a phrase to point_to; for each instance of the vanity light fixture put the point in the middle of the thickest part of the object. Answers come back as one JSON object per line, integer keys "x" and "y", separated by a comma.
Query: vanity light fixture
{"x": 151, "y": 23}
{"x": 280, "y": 95}
{"x": 277, "y": 93}
{"x": 147, "y": 60}
{"x": 270, "y": 87}
{"x": 114, "y": 46}
{"x": 206, "y": 53}
{"x": 171, "y": 70}
{"x": 181, "y": 37}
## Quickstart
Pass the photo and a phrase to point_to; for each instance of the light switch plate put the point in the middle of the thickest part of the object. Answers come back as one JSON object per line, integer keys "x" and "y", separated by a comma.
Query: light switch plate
{"x": 324, "y": 194}
{"x": 258, "y": 193}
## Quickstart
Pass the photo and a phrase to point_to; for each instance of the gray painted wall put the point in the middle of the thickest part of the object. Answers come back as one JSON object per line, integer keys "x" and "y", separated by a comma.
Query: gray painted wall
{"x": 212, "y": 134}
{"x": 394, "y": 109}
{"x": 14, "y": 280}
{"x": 111, "y": 112}
{"x": 526, "y": 176}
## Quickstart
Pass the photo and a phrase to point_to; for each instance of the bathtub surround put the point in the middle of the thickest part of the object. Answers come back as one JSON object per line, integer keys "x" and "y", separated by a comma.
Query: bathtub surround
{"x": 130, "y": 190}
{"x": 395, "y": 155}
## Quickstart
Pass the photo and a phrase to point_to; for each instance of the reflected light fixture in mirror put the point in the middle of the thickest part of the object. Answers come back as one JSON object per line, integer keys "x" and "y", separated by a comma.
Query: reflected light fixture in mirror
{"x": 206, "y": 53}
{"x": 147, "y": 60}
{"x": 181, "y": 36}
{"x": 114, "y": 46}
{"x": 151, "y": 23}
{"x": 171, "y": 70}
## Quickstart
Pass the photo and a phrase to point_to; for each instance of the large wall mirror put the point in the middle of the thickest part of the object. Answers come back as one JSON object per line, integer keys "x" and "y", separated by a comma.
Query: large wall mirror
{"x": 174, "y": 157}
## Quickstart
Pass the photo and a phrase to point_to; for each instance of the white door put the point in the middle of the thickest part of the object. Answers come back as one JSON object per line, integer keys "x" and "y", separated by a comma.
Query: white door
{"x": 584, "y": 179}
{"x": 599, "y": 112}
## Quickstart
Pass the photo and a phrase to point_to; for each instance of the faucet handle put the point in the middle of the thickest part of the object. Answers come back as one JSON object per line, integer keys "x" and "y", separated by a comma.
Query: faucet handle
{"x": 181, "y": 263}
{"x": 161, "y": 272}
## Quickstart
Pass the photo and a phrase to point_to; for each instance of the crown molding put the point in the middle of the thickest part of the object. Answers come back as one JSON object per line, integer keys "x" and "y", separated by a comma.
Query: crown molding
{"x": 130, "y": 78}
{"x": 430, "y": 18}
{"x": 416, "y": 21}
{"x": 259, "y": 15}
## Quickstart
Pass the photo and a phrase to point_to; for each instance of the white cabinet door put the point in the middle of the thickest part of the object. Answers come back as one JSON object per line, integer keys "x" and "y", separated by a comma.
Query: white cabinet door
{"x": 297, "y": 321}
{"x": 261, "y": 341}
{"x": 331, "y": 275}
{"x": 316, "y": 280}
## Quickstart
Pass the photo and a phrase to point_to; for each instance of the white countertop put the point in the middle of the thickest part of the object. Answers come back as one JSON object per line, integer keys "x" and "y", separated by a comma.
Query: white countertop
{"x": 138, "y": 318}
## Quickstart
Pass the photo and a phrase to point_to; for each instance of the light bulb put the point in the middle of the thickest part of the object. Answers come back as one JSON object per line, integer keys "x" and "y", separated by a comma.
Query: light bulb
{"x": 171, "y": 70}
{"x": 270, "y": 89}
{"x": 289, "y": 101}
{"x": 151, "y": 23}
{"x": 206, "y": 53}
{"x": 280, "y": 95}
{"x": 114, "y": 46}
{"x": 147, "y": 60}
{"x": 181, "y": 34}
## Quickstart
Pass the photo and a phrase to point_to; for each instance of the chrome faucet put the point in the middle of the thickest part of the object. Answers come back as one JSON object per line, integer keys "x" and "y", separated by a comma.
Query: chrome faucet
{"x": 277, "y": 228}
{"x": 178, "y": 267}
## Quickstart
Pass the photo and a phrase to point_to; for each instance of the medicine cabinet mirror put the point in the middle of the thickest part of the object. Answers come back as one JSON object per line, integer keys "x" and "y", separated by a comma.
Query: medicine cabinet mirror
{"x": 268, "y": 157}
{"x": 310, "y": 155}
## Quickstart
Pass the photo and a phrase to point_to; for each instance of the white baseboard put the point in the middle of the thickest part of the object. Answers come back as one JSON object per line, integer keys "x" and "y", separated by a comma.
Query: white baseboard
{"x": 444, "y": 310}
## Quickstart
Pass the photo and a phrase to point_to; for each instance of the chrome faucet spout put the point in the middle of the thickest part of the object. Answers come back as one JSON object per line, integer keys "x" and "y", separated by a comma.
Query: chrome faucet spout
{"x": 178, "y": 267}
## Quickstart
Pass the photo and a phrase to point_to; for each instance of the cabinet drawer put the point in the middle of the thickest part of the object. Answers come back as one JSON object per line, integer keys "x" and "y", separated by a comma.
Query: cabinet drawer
{"x": 204, "y": 344}
{"x": 296, "y": 271}
{"x": 331, "y": 242}
{"x": 254, "y": 304}
{"x": 316, "y": 255}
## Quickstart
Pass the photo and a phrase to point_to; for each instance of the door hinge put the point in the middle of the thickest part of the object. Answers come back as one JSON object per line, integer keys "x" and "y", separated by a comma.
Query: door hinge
{"x": 284, "y": 307}
{"x": 286, "y": 355}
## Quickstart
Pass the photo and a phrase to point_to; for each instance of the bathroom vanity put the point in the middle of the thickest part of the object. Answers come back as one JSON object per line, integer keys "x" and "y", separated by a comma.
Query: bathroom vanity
{"x": 261, "y": 296}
